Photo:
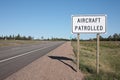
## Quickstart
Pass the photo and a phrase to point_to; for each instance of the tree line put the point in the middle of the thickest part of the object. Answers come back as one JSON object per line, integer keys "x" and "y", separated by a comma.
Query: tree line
{"x": 16, "y": 37}
{"x": 19, "y": 37}
{"x": 114, "y": 37}
{"x": 53, "y": 39}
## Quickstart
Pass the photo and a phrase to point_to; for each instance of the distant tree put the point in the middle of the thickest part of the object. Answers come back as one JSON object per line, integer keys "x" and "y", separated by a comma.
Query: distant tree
{"x": 110, "y": 38}
{"x": 115, "y": 37}
{"x": 24, "y": 38}
{"x": 30, "y": 38}
{"x": 6, "y": 37}
{"x": 48, "y": 39}
{"x": 101, "y": 38}
{"x": 42, "y": 38}
{"x": 10, "y": 37}
{"x": 1, "y": 37}
{"x": 119, "y": 37}
{"x": 17, "y": 37}
{"x": 74, "y": 39}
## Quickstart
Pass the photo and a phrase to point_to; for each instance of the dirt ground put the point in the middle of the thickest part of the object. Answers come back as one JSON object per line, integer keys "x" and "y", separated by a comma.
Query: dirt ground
{"x": 56, "y": 65}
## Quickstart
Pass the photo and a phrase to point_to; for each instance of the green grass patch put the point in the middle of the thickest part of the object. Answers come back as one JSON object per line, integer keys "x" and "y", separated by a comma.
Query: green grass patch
{"x": 109, "y": 59}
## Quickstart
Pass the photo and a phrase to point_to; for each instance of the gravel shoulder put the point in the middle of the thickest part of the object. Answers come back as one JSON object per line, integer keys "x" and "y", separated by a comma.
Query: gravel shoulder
{"x": 56, "y": 65}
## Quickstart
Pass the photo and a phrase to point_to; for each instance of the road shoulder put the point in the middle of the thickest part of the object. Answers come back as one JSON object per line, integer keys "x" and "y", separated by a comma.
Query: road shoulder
{"x": 56, "y": 65}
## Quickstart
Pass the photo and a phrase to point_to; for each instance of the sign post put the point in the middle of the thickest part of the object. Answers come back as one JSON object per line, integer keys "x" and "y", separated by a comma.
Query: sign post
{"x": 97, "y": 53}
{"x": 89, "y": 24}
{"x": 78, "y": 51}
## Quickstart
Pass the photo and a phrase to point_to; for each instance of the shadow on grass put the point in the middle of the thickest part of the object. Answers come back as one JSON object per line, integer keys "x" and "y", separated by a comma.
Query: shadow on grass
{"x": 61, "y": 58}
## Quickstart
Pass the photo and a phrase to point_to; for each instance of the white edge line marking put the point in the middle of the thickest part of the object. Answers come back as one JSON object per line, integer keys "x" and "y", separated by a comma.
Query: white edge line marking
{"x": 22, "y": 54}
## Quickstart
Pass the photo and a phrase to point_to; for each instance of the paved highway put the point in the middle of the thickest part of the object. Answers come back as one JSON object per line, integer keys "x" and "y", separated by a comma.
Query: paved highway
{"x": 16, "y": 57}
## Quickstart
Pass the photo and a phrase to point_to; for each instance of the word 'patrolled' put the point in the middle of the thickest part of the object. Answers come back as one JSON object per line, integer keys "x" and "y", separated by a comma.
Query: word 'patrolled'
{"x": 88, "y": 28}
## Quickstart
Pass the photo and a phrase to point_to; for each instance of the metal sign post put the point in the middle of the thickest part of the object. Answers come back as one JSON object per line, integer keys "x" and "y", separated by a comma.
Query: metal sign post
{"x": 97, "y": 53}
{"x": 78, "y": 47}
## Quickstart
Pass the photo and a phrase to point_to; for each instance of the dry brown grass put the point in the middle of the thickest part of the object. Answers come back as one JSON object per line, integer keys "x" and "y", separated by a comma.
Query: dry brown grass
{"x": 16, "y": 42}
{"x": 109, "y": 59}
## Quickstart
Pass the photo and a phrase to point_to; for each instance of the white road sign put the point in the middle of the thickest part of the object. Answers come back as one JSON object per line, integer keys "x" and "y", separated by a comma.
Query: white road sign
{"x": 89, "y": 24}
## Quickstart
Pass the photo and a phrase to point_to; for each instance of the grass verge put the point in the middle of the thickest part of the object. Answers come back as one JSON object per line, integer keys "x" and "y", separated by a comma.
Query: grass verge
{"x": 16, "y": 42}
{"x": 109, "y": 59}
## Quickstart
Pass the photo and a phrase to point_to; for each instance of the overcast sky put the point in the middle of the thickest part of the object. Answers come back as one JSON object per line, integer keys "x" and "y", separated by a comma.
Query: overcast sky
{"x": 52, "y": 18}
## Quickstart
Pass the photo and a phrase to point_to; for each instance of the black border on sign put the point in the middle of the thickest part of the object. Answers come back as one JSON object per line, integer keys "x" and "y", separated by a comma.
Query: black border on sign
{"x": 89, "y": 15}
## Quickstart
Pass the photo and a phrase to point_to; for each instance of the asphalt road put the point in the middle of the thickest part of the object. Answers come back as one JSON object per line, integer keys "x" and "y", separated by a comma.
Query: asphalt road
{"x": 16, "y": 57}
